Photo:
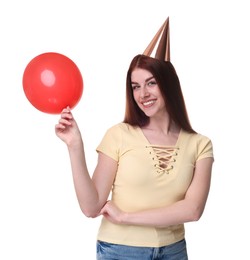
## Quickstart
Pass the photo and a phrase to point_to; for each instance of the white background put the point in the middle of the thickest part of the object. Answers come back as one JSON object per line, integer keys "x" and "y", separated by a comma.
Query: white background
{"x": 39, "y": 213}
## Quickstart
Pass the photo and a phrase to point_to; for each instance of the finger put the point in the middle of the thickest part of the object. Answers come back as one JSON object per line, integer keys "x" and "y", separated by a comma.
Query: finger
{"x": 62, "y": 124}
{"x": 66, "y": 116}
{"x": 66, "y": 110}
{"x": 60, "y": 127}
{"x": 64, "y": 121}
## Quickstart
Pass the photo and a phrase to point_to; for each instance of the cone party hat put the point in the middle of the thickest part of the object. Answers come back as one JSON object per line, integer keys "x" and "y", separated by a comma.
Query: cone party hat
{"x": 163, "y": 49}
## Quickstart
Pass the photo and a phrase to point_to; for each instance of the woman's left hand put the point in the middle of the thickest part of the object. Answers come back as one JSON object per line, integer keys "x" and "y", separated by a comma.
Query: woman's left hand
{"x": 112, "y": 213}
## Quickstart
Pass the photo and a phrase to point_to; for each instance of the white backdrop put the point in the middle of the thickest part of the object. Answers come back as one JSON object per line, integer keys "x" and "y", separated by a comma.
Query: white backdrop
{"x": 39, "y": 213}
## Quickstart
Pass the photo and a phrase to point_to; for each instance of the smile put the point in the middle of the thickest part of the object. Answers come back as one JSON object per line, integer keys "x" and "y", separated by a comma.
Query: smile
{"x": 149, "y": 103}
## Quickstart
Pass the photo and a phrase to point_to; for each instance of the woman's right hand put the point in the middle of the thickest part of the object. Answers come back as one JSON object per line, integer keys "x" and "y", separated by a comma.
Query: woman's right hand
{"x": 67, "y": 129}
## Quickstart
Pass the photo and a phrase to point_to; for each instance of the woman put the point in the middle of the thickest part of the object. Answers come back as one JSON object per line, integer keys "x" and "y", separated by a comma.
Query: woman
{"x": 157, "y": 168}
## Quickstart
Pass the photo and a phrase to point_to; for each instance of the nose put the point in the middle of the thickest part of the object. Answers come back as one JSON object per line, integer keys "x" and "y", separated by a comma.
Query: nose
{"x": 143, "y": 92}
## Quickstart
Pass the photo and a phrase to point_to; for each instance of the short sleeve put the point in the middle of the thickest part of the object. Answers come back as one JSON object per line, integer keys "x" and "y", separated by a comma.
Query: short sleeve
{"x": 111, "y": 143}
{"x": 205, "y": 148}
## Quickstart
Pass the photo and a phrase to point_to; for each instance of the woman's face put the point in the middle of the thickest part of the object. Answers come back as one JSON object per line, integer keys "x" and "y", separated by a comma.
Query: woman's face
{"x": 147, "y": 93}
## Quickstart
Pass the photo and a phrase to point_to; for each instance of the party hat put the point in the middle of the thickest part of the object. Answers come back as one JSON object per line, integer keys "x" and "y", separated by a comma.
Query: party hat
{"x": 163, "y": 50}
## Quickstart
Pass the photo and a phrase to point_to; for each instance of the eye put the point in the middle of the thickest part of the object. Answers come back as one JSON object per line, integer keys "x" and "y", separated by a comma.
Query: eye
{"x": 134, "y": 87}
{"x": 152, "y": 83}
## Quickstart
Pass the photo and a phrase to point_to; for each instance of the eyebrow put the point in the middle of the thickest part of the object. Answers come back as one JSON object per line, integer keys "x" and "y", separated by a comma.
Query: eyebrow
{"x": 148, "y": 79}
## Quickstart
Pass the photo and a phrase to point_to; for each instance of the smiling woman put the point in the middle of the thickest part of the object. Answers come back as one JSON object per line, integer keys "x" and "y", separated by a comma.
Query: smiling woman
{"x": 156, "y": 166}
{"x": 146, "y": 91}
{"x": 210, "y": 52}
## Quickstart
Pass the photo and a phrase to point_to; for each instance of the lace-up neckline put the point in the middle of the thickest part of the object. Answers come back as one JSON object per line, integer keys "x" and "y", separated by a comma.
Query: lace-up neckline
{"x": 163, "y": 156}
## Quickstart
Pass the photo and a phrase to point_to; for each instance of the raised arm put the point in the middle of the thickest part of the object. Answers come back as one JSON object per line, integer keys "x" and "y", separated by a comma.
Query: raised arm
{"x": 92, "y": 193}
{"x": 186, "y": 210}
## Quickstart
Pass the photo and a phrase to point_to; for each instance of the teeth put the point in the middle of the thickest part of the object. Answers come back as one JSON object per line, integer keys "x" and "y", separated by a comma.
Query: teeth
{"x": 148, "y": 103}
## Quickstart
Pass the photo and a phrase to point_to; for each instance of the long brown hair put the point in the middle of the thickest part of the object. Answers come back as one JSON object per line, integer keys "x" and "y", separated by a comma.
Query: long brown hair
{"x": 169, "y": 84}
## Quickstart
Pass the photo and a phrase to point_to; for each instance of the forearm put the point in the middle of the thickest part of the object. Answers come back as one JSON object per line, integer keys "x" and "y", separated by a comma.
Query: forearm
{"x": 186, "y": 210}
{"x": 189, "y": 209}
{"x": 178, "y": 213}
{"x": 86, "y": 192}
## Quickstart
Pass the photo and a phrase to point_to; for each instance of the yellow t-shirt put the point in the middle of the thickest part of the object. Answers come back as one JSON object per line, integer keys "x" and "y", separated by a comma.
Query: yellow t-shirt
{"x": 144, "y": 182}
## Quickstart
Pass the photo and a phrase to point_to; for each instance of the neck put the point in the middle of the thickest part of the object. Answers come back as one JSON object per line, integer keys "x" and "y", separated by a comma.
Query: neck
{"x": 162, "y": 126}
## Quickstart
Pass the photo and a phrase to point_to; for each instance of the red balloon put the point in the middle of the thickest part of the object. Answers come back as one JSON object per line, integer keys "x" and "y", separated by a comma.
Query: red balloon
{"x": 51, "y": 82}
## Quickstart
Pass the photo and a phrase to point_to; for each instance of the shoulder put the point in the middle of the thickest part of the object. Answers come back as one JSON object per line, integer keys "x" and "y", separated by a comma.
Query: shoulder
{"x": 199, "y": 143}
{"x": 196, "y": 137}
{"x": 121, "y": 128}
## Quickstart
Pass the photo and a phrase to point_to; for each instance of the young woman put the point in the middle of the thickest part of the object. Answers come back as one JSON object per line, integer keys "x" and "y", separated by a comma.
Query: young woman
{"x": 157, "y": 168}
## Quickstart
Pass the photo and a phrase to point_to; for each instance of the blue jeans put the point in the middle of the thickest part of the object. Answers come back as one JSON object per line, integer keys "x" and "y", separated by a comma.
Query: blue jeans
{"x": 108, "y": 251}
